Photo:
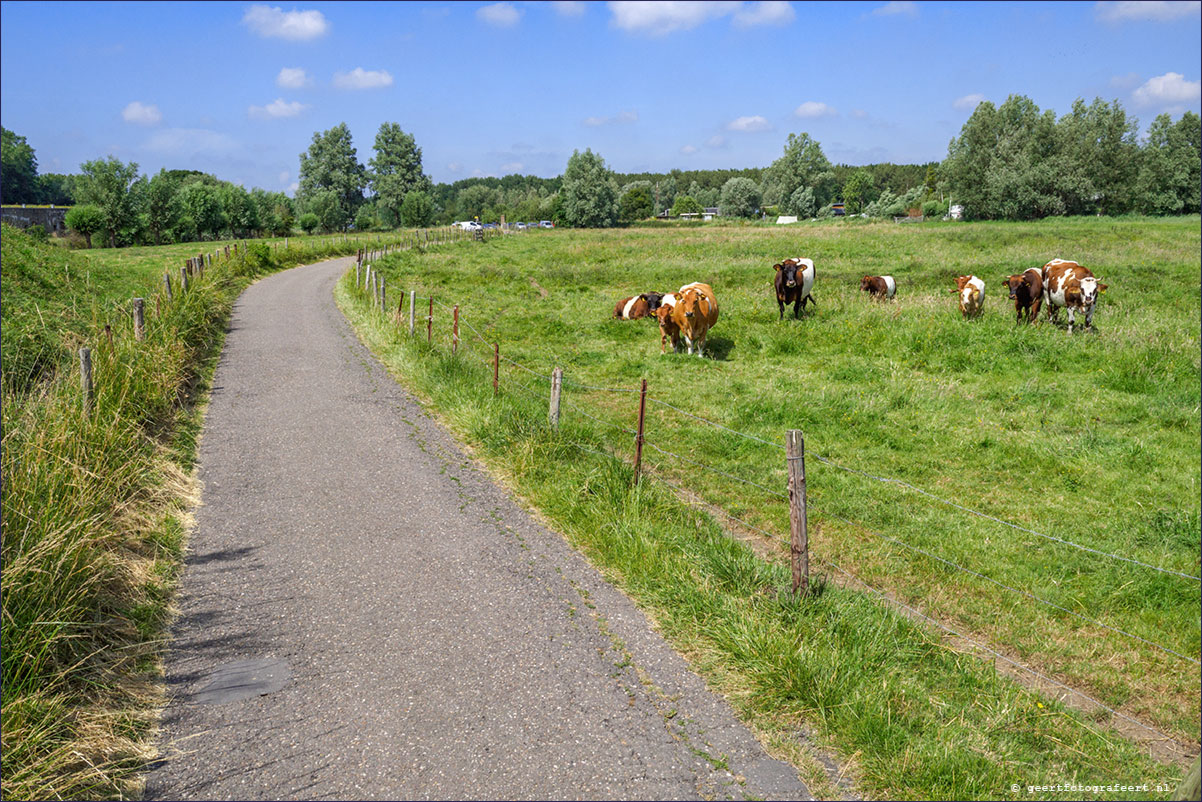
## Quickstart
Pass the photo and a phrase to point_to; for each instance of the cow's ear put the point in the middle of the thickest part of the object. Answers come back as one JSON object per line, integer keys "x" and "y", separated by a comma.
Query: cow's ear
{"x": 1101, "y": 287}
{"x": 776, "y": 267}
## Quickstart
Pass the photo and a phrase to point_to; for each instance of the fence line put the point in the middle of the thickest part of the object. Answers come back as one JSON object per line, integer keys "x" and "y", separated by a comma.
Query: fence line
{"x": 768, "y": 490}
{"x": 882, "y": 479}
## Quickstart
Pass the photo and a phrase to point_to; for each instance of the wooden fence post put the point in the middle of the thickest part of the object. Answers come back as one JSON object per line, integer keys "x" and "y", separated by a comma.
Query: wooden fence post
{"x": 556, "y": 388}
{"x": 496, "y": 367}
{"x": 1189, "y": 788}
{"x": 455, "y": 332}
{"x": 638, "y": 438}
{"x": 799, "y": 545}
{"x": 85, "y": 377}
{"x": 412, "y": 309}
{"x": 139, "y": 319}
{"x": 383, "y": 294}
{"x": 430, "y": 323}
{"x": 167, "y": 284}
{"x": 108, "y": 334}
{"x": 183, "y": 279}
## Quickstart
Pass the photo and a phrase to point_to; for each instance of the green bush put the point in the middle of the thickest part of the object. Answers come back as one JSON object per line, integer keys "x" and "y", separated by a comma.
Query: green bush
{"x": 37, "y": 232}
{"x": 309, "y": 222}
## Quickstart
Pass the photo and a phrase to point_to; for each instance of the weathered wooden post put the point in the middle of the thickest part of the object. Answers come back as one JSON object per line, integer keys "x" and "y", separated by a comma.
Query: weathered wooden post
{"x": 1191, "y": 786}
{"x": 430, "y": 323}
{"x": 412, "y": 309}
{"x": 455, "y": 331}
{"x": 108, "y": 334}
{"x": 638, "y": 438}
{"x": 799, "y": 545}
{"x": 383, "y": 294}
{"x": 85, "y": 377}
{"x": 183, "y": 279}
{"x": 139, "y": 319}
{"x": 167, "y": 284}
{"x": 556, "y": 387}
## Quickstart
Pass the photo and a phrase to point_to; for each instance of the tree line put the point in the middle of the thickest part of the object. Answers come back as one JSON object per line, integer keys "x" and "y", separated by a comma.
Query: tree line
{"x": 1012, "y": 162}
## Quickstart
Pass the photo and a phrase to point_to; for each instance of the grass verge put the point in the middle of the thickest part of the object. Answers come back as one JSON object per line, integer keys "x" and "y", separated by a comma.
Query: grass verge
{"x": 95, "y": 504}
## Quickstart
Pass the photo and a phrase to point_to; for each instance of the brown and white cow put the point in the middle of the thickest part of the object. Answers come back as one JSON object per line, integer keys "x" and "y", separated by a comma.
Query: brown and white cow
{"x": 972, "y": 295}
{"x": 1026, "y": 290}
{"x": 879, "y": 287}
{"x": 793, "y": 283}
{"x": 640, "y": 306}
{"x": 1066, "y": 284}
{"x": 690, "y": 313}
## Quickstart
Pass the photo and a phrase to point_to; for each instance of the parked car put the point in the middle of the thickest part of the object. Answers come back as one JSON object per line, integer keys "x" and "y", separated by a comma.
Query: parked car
{"x": 546, "y": 224}
{"x": 519, "y": 226}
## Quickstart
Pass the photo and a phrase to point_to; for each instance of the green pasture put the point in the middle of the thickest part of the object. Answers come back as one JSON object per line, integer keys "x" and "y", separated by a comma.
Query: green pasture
{"x": 1091, "y": 438}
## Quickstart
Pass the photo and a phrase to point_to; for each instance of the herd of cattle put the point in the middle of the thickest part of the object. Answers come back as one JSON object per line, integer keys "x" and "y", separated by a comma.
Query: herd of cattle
{"x": 691, "y": 311}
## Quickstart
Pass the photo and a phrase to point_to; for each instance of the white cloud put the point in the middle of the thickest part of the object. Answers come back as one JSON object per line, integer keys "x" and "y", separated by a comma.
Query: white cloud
{"x": 968, "y": 102}
{"x": 276, "y": 109}
{"x": 812, "y": 109}
{"x": 568, "y": 8}
{"x": 749, "y": 124}
{"x": 190, "y": 141}
{"x": 896, "y": 8}
{"x": 272, "y": 21}
{"x": 716, "y": 141}
{"x": 284, "y": 176}
{"x": 360, "y": 78}
{"x": 142, "y": 114}
{"x": 769, "y": 12}
{"x": 1168, "y": 89}
{"x": 502, "y": 15}
{"x": 1145, "y": 10}
{"x": 455, "y": 167}
{"x": 622, "y": 117}
{"x": 689, "y": 150}
{"x": 512, "y": 167}
{"x": 659, "y": 18}
{"x": 293, "y": 187}
{"x": 859, "y": 114}
{"x": 292, "y": 78}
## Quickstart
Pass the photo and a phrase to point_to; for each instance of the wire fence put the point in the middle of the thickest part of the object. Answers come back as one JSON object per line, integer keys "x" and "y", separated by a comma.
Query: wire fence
{"x": 610, "y": 427}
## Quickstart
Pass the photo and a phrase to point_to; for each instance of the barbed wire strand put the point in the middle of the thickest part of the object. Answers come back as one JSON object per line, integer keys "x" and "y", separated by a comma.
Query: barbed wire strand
{"x": 995, "y": 653}
{"x": 718, "y": 425}
{"x": 1053, "y": 605}
{"x": 598, "y": 420}
{"x": 986, "y": 516}
{"x": 715, "y": 470}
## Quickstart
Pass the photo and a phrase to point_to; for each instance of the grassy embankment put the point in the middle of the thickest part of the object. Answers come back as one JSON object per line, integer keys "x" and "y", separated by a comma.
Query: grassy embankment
{"x": 1091, "y": 438}
{"x": 95, "y": 506}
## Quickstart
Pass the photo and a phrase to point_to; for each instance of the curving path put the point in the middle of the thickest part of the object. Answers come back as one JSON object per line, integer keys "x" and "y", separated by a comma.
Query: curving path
{"x": 365, "y": 615}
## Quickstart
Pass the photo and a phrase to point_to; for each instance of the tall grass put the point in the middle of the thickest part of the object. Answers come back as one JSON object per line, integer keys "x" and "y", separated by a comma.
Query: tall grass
{"x": 95, "y": 505}
{"x": 1093, "y": 438}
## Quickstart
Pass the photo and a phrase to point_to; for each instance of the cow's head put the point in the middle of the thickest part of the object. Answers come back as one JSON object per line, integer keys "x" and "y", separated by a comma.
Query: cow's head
{"x": 866, "y": 283}
{"x": 653, "y": 299}
{"x": 1090, "y": 289}
{"x": 788, "y": 270}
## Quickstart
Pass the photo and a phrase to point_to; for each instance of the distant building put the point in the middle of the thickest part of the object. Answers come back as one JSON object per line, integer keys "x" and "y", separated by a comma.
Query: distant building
{"x": 837, "y": 209}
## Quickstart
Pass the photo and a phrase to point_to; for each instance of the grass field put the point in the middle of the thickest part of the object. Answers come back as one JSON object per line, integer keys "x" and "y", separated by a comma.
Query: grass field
{"x": 1093, "y": 439}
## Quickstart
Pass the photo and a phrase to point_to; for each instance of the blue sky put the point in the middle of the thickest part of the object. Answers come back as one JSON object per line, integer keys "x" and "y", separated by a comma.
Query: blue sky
{"x": 238, "y": 89}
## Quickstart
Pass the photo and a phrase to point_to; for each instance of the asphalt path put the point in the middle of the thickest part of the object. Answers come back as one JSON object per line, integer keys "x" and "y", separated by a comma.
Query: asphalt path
{"x": 364, "y": 614}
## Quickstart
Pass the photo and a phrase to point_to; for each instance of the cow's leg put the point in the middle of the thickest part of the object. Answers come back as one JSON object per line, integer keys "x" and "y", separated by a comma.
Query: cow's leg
{"x": 1033, "y": 315}
{"x": 1089, "y": 317}
{"x": 781, "y": 303}
{"x": 1072, "y": 315}
{"x": 797, "y": 308}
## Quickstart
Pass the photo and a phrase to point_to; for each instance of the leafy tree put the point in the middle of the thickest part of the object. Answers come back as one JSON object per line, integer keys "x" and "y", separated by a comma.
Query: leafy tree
{"x": 686, "y": 204}
{"x": 113, "y": 187}
{"x": 801, "y": 202}
{"x": 331, "y": 166}
{"x": 86, "y": 219}
{"x": 396, "y": 170}
{"x": 635, "y": 204}
{"x": 590, "y": 194}
{"x": 802, "y": 165}
{"x": 57, "y": 189}
{"x": 309, "y": 222}
{"x": 162, "y": 205}
{"x": 19, "y": 167}
{"x": 1168, "y": 179}
{"x": 475, "y": 199}
{"x": 365, "y": 218}
{"x": 328, "y": 207}
{"x": 858, "y": 191}
{"x": 740, "y": 198}
{"x": 417, "y": 211}
{"x": 242, "y": 215}
{"x": 202, "y": 216}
